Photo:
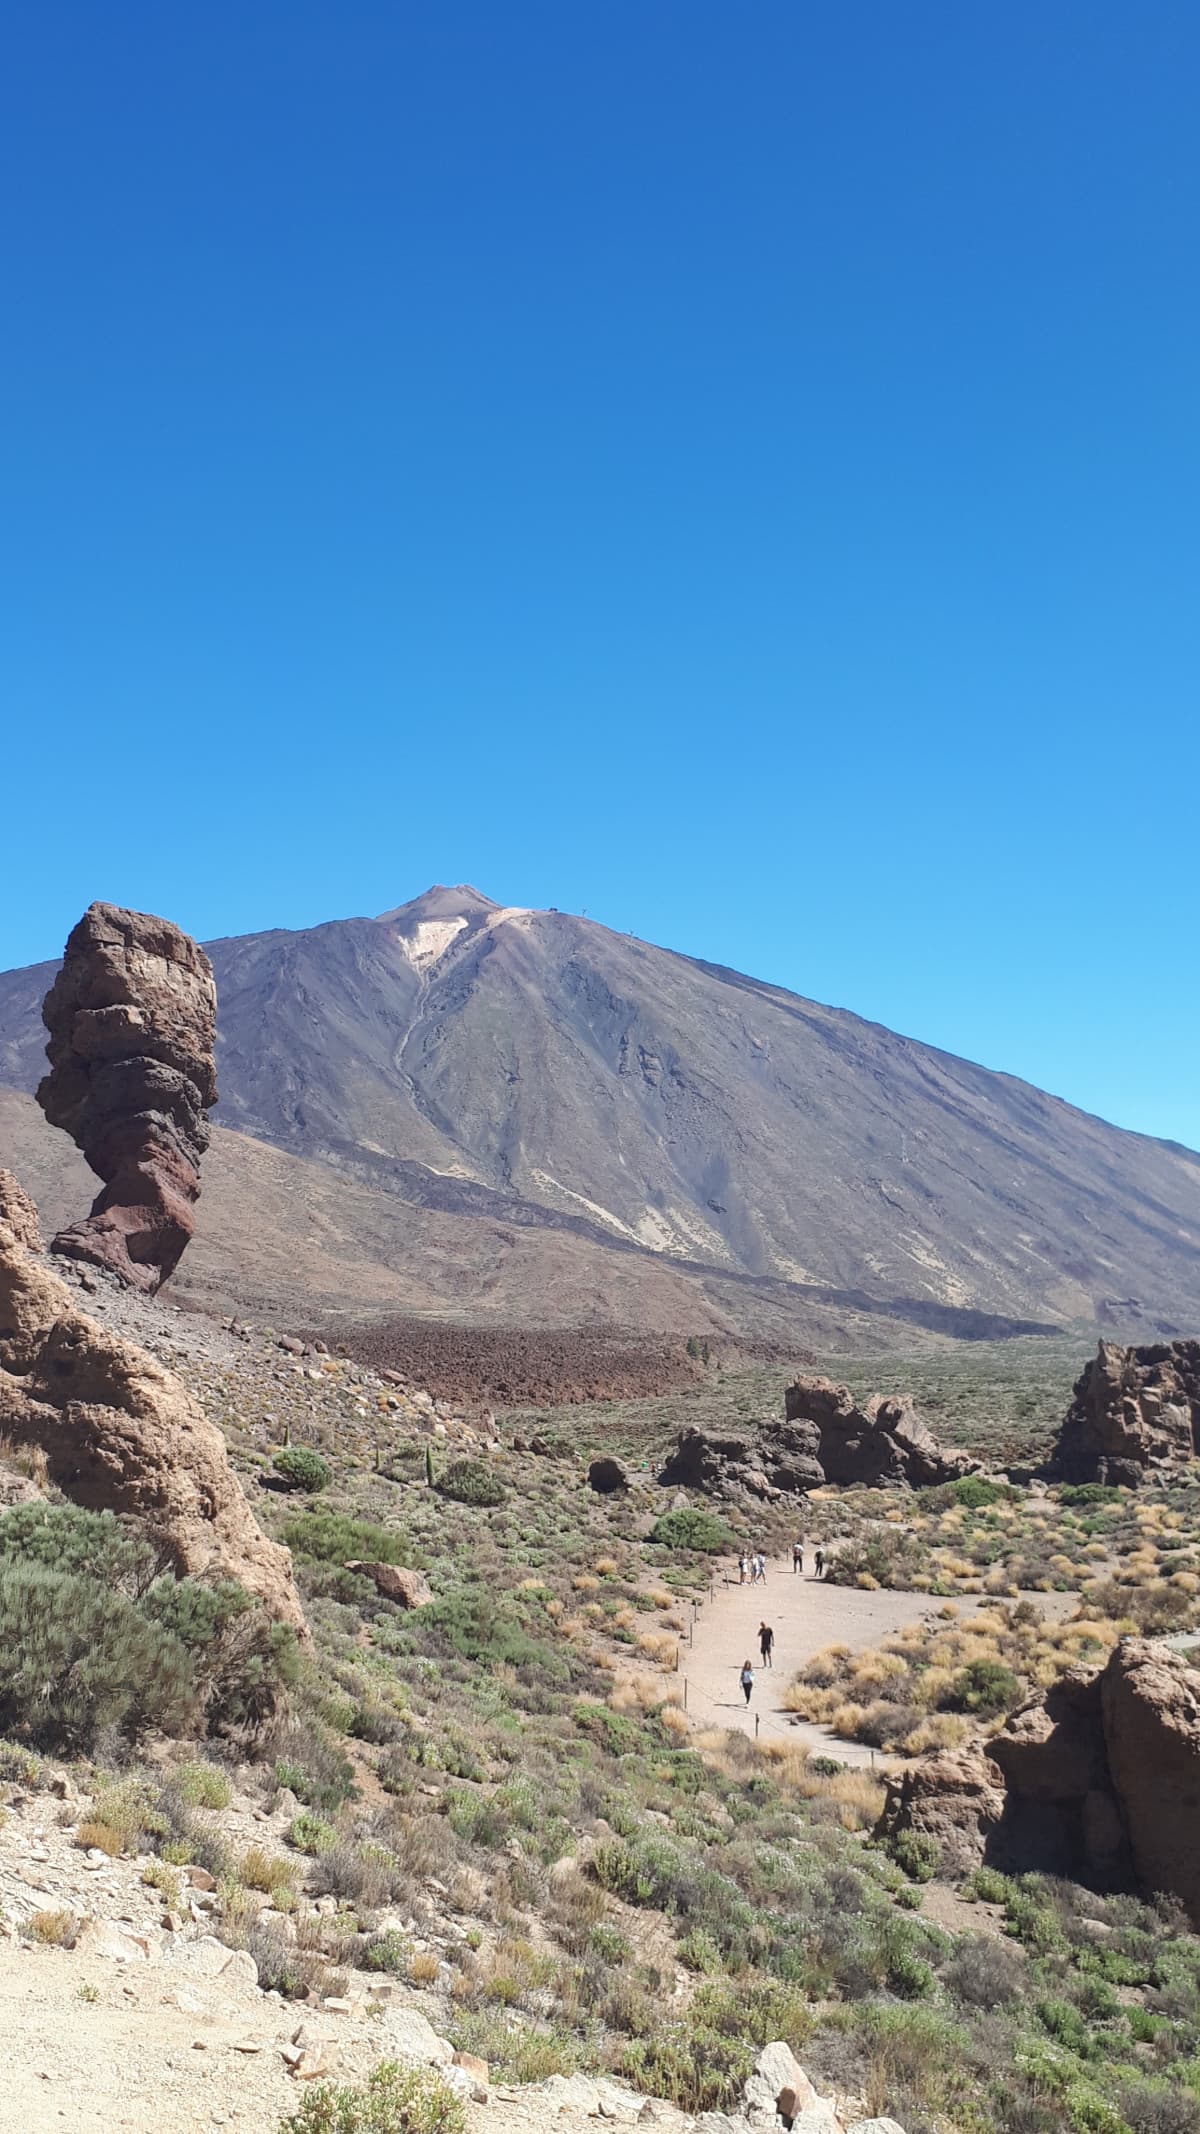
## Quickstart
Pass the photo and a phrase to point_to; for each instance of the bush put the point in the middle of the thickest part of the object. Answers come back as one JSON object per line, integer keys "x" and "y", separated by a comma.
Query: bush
{"x": 916, "y": 1854}
{"x": 63, "y": 1537}
{"x": 242, "y": 1661}
{"x": 77, "y": 1659}
{"x": 395, "y": 2100}
{"x": 472, "y": 1482}
{"x": 696, "y": 2068}
{"x": 983, "y": 1686}
{"x": 299, "y": 1468}
{"x": 332, "y": 1537}
{"x": 692, "y": 1528}
{"x": 310, "y": 1833}
{"x": 201, "y": 1785}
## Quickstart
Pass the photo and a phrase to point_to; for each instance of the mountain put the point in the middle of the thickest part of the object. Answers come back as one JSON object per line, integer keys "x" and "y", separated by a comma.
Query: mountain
{"x": 534, "y": 1070}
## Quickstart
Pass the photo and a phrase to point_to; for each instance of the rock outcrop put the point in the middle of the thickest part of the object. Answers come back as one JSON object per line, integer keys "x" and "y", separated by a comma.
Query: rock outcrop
{"x": 1098, "y": 1779}
{"x": 824, "y": 1436}
{"x": 1133, "y": 1409}
{"x": 778, "y": 1460}
{"x": 409, "y": 1589}
{"x": 132, "y": 1023}
{"x": 881, "y": 1444}
{"x": 955, "y": 1797}
{"x": 120, "y": 1433}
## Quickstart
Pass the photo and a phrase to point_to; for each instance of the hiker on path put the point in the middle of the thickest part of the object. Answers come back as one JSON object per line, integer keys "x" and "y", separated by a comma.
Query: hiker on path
{"x": 820, "y": 1563}
{"x": 746, "y": 1678}
{"x": 798, "y": 1557}
{"x": 761, "y": 1562}
{"x": 741, "y": 1570}
{"x": 766, "y": 1640}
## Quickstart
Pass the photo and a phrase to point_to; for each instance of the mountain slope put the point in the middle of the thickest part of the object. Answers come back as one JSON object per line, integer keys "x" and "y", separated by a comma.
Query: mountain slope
{"x": 477, "y": 1059}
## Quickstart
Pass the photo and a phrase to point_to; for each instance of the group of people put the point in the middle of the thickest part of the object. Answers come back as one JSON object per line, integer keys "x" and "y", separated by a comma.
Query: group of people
{"x": 798, "y": 1560}
{"x": 752, "y": 1567}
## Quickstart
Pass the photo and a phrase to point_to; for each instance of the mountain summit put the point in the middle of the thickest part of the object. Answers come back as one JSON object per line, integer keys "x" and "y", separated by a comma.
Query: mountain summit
{"x": 532, "y": 1065}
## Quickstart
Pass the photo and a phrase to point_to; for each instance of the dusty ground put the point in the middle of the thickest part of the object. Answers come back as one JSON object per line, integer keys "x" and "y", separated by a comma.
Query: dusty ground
{"x": 806, "y": 1615}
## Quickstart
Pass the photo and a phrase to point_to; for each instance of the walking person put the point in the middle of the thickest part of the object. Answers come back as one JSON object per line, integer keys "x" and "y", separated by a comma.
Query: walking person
{"x": 820, "y": 1563}
{"x": 766, "y": 1642}
{"x": 741, "y": 1570}
{"x": 798, "y": 1557}
{"x": 746, "y": 1678}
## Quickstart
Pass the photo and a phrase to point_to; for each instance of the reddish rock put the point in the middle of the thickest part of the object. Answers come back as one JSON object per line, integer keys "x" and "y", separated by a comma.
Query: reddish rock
{"x": 132, "y": 1023}
{"x": 955, "y": 1797}
{"x": 1151, "y": 1704}
{"x": 121, "y": 1433}
{"x": 409, "y": 1589}
{"x": 1134, "y": 1409}
{"x": 882, "y": 1443}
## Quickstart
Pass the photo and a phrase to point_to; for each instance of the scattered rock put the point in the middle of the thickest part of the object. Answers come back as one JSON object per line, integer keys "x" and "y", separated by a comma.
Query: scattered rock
{"x": 132, "y": 1023}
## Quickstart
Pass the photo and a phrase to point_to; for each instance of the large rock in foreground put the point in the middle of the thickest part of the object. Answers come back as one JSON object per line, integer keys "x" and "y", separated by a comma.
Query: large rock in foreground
{"x": 120, "y": 1433}
{"x": 1133, "y": 1409}
{"x": 1100, "y": 1778}
{"x": 132, "y": 1021}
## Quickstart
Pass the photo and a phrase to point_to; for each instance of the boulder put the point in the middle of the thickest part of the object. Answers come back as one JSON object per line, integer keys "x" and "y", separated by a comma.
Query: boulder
{"x": 780, "y": 1459}
{"x": 1133, "y": 1409}
{"x": 778, "y": 2089}
{"x": 132, "y": 1023}
{"x": 955, "y": 1797}
{"x": 608, "y": 1475}
{"x": 120, "y": 1433}
{"x": 18, "y": 1215}
{"x": 409, "y": 1589}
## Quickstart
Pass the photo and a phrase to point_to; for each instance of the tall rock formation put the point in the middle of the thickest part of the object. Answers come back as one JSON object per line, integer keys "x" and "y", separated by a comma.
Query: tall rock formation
{"x": 119, "y": 1432}
{"x": 881, "y": 1444}
{"x": 132, "y": 1023}
{"x": 1134, "y": 1409}
{"x": 1097, "y": 1778}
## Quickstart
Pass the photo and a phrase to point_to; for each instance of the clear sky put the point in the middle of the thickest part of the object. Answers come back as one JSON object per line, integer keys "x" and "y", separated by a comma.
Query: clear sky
{"x": 732, "y": 469}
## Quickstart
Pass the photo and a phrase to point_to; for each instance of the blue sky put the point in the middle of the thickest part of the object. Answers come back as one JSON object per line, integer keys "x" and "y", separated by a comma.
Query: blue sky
{"x": 734, "y": 470}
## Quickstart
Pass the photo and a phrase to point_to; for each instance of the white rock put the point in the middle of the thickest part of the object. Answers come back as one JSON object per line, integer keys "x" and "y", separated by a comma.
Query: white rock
{"x": 413, "y": 2035}
{"x": 572, "y": 2093}
{"x": 875, "y": 2126}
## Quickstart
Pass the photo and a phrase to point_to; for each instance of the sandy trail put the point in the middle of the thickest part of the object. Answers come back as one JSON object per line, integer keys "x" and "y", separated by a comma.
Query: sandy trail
{"x": 806, "y": 1615}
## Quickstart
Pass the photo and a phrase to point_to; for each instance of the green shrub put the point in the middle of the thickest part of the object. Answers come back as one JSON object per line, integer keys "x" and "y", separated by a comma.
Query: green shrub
{"x": 692, "y": 1528}
{"x": 311, "y": 1833}
{"x": 299, "y": 1468}
{"x": 697, "y": 2069}
{"x": 333, "y": 1537}
{"x": 387, "y": 1952}
{"x": 242, "y": 1661}
{"x": 917, "y": 1854}
{"x": 472, "y": 1482}
{"x": 78, "y": 1659}
{"x": 201, "y": 1785}
{"x": 63, "y": 1537}
{"x": 983, "y": 1686}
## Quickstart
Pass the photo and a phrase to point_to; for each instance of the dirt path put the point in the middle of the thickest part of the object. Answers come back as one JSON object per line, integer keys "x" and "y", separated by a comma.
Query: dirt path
{"x": 806, "y": 1615}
